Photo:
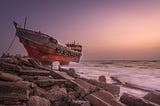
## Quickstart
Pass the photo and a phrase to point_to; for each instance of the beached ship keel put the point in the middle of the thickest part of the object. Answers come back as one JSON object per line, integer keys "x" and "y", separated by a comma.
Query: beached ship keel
{"x": 47, "y": 49}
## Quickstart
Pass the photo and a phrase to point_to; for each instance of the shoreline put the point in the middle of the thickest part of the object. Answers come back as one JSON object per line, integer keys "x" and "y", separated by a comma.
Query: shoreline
{"x": 28, "y": 83}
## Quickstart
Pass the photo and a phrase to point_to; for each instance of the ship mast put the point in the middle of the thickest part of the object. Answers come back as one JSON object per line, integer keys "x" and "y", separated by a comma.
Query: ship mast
{"x": 25, "y": 22}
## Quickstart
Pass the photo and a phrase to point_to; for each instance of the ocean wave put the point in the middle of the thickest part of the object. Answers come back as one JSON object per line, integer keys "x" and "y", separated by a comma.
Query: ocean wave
{"x": 144, "y": 74}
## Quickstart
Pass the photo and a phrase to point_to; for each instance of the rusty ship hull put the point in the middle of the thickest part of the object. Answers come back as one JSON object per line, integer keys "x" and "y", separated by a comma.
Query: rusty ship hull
{"x": 45, "y": 48}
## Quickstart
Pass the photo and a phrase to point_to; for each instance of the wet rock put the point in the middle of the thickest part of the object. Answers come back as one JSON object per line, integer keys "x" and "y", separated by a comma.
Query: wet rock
{"x": 56, "y": 94}
{"x": 71, "y": 72}
{"x": 38, "y": 101}
{"x": 34, "y": 72}
{"x": 102, "y": 79}
{"x": 84, "y": 87}
{"x": 37, "y": 90}
{"x": 80, "y": 103}
{"x": 13, "y": 91}
{"x": 103, "y": 98}
{"x": 56, "y": 75}
{"x": 115, "y": 90}
{"x": 115, "y": 78}
{"x": 153, "y": 97}
{"x": 69, "y": 86}
{"x": 130, "y": 100}
{"x": 50, "y": 82}
{"x": 9, "y": 77}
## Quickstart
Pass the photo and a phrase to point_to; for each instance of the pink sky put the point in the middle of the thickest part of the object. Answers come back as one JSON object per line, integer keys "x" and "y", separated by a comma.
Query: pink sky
{"x": 119, "y": 29}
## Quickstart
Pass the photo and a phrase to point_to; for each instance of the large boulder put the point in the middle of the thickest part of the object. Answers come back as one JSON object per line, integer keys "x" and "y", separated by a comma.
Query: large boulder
{"x": 50, "y": 82}
{"x": 38, "y": 101}
{"x": 102, "y": 79}
{"x": 103, "y": 98}
{"x": 115, "y": 90}
{"x": 71, "y": 72}
{"x": 131, "y": 100}
{"x": 37, "y": 90}
{"x": 34, "y": 72}
{"x": 153, "y": 97}
{"x": 9, "y": 77}
{"x": 56, "y": 94}
{"x": 13, "y": 91}
{"x": 83, "y": 87}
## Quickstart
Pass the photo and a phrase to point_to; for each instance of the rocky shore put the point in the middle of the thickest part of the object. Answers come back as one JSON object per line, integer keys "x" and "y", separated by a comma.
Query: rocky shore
{"x": 24, "y": 81}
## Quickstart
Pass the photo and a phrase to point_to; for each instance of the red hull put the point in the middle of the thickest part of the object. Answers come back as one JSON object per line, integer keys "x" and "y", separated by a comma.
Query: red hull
{"x": 46, "y": 58}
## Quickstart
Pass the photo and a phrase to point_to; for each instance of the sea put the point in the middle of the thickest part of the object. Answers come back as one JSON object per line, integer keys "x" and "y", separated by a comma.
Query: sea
{"x": 142, "y": 74}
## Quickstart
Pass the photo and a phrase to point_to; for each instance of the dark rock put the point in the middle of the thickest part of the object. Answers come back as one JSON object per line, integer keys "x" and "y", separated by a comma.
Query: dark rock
{"x": 11, "y": 60}
{"x": 26, "y": 67}
{"x": 115, "y": 90}
{"x": 71, "y": 72}
{"x": 130, "y": 100}
{"x": 35, "y": 63}
{"x": 43, "y": 77}
{"x": 69, "y": 86}
{"x": 25, "y": 84}
{"x": 56, "y": 75}
{"x": 12, "y": 103}
{"x": 34, "y": 72}
{"x": 35, "y": 78}
{"x": 84, "y": 87}
{"x": 24, "y": 61}
{"x": 28, "y": 78}
{"x": 13, "y": 91}
{"x": 50, "y": 82}
{"x": 114, "y": 78}
{"x": 38, "y": 91}
{"x": 38, "y": 101}
{"x": 9, "y": 77}
{"x": 56, "y": 94}
{"x": 153, "y": 97}
{"x": 72, "y": 95}
{"x": 8, "y": 67}
{"x": 102, "y": 79}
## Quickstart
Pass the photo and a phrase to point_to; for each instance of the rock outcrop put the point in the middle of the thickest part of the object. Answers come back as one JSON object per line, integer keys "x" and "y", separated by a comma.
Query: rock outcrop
{"x": 24, "y": 81}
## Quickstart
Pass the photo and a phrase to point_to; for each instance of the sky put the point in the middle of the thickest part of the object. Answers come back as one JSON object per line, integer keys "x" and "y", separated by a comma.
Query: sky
{"x": 107, "y": 29}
